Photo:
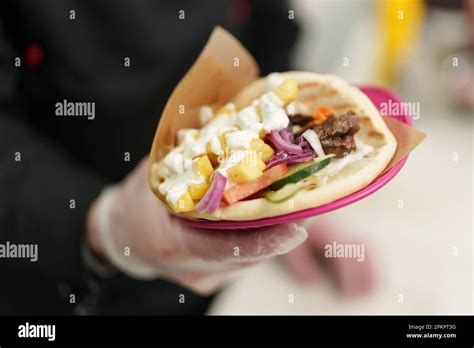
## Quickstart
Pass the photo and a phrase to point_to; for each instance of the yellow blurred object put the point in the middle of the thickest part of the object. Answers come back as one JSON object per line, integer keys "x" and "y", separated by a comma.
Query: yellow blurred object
{"x": 287, "y": 91}
{"x": 222, "y": 141}
{"x": 227, "y": 109}
{"x": 260, "y": 164}
{"x": 399, "y": 23}
{"x": 197, "y": 191}
{"x": 213, "y": 157}
{"x": 185, "y": 203}
{"x": 203, "y": 166}
{"x": 264, "y": 150}
{"x": 244, "y": 172}
{"x": 254, "y": 160}
{"x": 257, "y": 144}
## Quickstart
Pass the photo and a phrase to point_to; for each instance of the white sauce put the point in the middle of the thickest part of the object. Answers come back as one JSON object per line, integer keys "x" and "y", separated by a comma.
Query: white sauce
{"x": 205, "y": 114}
{"x": 242, "y": 139}
{"x": 175, "y": 163}
{"x": 297, "y": 107}
{"x": 247, "y": 116}
{"x": 362, "y": 150}
{"x": 240, "y": 129}
{"x": 273, "y": 115}
{"x": 216, "y": 145}
{"x": 199, "y": 148}
{"x": 235, "y": 156}
{"x": 174, "y": 186}
{"x": 187, "y": 135}
{"x": 273, "y": 80}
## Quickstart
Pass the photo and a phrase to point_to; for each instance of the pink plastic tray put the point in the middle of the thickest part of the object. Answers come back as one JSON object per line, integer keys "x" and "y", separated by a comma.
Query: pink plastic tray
{"x": 377, "y": 96}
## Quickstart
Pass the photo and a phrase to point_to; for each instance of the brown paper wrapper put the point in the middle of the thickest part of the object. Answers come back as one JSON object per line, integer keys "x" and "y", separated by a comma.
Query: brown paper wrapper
{"x": 222, "y": 69}
{"x": 407, "y": 139}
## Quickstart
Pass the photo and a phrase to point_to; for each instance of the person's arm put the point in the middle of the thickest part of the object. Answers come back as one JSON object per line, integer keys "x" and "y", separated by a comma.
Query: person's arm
{"x": 126, "y": 225}
{"x": 45, "y": 193}
{"x": 134, "y": 231}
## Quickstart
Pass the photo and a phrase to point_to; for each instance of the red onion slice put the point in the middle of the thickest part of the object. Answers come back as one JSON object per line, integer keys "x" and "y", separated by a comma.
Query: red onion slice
{"x": 289, "y": 159}
{"x": 287, "y": 135}
{"x": 304, "y": 157}
{"x": 204, "y": 202}
{"x": 211, "y": 199}
{"x": 279, "y": 157}
{"x": 281, "y": 144}
{"x": 221, "y": 181}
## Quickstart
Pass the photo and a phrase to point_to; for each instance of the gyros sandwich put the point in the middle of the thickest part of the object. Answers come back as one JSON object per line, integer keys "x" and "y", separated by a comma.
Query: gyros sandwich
{"x": 287, "y": 142}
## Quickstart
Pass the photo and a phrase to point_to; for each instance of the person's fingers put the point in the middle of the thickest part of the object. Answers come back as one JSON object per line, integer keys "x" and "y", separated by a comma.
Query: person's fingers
{"x": 303, "y": 263}
{"x": 242, "y": 246}
{"x": 320, "y": 235}
{"x": 352, "y": 275}
{"x": 206, "y": 283}
{"x": 353, "y": 278}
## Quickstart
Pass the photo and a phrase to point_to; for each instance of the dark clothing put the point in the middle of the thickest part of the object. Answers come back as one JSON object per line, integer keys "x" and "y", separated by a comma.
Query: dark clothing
{"x": 65, "y": 161}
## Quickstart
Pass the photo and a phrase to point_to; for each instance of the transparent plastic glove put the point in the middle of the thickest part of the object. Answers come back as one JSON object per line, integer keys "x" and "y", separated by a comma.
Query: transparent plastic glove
{"x": 133, "y": 230}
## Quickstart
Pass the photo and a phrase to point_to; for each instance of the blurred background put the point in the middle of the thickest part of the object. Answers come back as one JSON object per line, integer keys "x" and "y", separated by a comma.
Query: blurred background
{"x": 419, "y": 227}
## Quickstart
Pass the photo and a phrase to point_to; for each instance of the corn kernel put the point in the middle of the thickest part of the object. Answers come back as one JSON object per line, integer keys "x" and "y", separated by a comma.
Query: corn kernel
{"x": 184, "y": 204}
{"x": 244, "y": 172}
{"x": 198, "y": 191}
{"x": 260, "y": 164}
{"x": 227, "y": 109}
{"x": 287, "y": 91}
{"x": 203, "y": 166}
{"x": 254, "y": 160}
{"x": 266, "y": 152}
{"x": 257, "y": 144}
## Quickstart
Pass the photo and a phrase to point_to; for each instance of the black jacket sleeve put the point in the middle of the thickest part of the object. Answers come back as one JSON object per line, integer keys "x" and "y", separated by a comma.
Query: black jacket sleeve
{"x": 270, "y": 34}
{"x": 45, "y": 194}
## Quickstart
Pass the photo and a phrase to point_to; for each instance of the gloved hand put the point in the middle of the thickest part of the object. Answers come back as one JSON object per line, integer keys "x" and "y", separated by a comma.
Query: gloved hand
{"x": 128, "y": 226}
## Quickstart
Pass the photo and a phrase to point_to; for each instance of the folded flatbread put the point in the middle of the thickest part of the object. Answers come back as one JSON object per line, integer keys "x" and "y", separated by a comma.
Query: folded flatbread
{"x": 358, "y": 154}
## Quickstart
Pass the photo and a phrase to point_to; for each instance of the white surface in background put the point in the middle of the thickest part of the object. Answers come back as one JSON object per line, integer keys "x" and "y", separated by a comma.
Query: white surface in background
{"x": 329, "y": 36}
{"x": 424, "y": 251}
{"x": 413, "y": 246}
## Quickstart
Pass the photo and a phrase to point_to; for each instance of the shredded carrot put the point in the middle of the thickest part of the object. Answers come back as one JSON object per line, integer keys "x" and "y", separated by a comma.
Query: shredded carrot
{"x": 319, "y": 115}
{"x": 322, "y": 113}
{"x": 320, "y": 121}
{"x": 325, "y": 110}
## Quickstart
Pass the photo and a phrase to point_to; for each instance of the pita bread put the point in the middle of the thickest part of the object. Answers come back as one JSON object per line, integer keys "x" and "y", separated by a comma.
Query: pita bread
{"x": 315, "y": 90}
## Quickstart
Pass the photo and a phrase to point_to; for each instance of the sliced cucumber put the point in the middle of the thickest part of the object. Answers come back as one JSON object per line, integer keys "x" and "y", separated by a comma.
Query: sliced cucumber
{"x": 301, "y": 171}
{"x": 282, "y": 194}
